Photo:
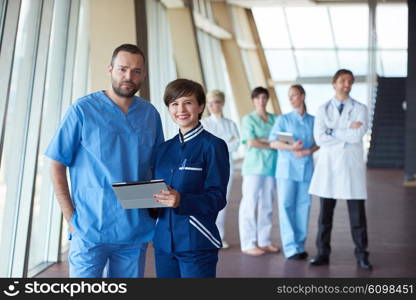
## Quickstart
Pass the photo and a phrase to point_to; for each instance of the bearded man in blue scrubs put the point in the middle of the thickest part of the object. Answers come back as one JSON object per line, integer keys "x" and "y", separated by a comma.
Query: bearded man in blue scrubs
{"x": 107, "y": 136}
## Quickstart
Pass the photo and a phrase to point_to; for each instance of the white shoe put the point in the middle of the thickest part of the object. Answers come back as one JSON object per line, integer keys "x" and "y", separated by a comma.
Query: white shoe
{"x": 225, "y": 245}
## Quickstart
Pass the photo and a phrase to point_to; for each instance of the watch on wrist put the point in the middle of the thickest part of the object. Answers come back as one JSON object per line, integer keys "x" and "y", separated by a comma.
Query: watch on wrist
{"x": 329, "y": 131}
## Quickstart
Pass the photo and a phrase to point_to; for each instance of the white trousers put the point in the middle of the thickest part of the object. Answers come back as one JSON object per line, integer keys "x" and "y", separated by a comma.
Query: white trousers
{"x": 221, "y": 215}
{"x": 258, "y": 195}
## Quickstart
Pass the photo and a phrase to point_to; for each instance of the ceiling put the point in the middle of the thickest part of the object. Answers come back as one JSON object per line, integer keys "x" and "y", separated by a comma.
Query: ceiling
{"x": 256, "y": 3}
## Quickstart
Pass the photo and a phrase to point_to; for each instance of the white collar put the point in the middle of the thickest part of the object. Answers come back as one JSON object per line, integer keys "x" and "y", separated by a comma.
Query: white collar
{"x": 191, "y": 133}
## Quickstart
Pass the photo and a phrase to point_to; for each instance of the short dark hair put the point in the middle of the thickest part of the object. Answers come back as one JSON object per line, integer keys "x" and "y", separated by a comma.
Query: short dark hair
{"x": 184, "y": 87}
{"x": 342, "y": 72}
{"x": 130, "y": 48}
{"x": 258, "y": 91}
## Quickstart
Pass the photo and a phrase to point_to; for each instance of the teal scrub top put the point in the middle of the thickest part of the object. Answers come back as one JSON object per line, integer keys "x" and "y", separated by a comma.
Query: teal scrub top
{"x": 288, "y": 165}
{"x": 101, "y": 145}
{"x": 258, "y": 161}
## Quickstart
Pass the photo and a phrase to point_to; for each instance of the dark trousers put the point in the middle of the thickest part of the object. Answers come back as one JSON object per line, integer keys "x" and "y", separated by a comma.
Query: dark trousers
{"x": 356, "y": 211}
{"x": 186, "y": 264}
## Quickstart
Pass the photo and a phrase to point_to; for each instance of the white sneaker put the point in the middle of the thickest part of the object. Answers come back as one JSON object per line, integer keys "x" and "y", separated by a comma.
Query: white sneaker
{"x": 225, "y": 245}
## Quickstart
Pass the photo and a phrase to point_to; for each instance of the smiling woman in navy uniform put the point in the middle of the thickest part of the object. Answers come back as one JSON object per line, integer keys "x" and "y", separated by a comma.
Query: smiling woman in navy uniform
{"x": 195, "y": 166}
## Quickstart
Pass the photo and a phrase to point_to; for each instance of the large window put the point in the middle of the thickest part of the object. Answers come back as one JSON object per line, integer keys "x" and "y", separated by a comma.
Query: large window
{"x": 392, "y": 40}
{"x": 36, "y": 84}
{"x": 162, "y": 67}
{"x": 308, "y": 44}
{"x": 45, "y": 229}
{"x": 2, "y": 13}
{"x": 213, "y": 62}
{"x": 16, "y": 134}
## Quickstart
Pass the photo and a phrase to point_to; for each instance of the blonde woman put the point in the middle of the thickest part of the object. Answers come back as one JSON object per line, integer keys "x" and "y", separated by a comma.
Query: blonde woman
{"x": 226, "y": 130}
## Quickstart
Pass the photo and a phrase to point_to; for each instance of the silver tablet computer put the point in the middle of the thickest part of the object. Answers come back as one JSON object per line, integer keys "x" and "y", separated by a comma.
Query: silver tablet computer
{"x": 139, "y": 194}
{"x": 286, "y": 137}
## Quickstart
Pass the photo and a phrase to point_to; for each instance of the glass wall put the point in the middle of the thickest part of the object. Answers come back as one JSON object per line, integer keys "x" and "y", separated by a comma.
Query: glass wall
{"x": 213, "y": 61}
{"x": 38, "y": 76}
{"x": 329, "y": 38}
{"x": 45, "y": 230}
{"x": 391, "y": 23}
{"x": 2, "y": 13}
{"x": 15, "y": 130}
{"x": 160, "y": 47}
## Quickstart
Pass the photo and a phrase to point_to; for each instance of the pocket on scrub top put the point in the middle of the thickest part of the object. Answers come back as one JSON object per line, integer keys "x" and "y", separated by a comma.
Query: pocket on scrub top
{"x": 192, "y": 174}
{"x": 115, "y": 140}
{"x": 146, "y": 139}
{"x": 191, "y": 169}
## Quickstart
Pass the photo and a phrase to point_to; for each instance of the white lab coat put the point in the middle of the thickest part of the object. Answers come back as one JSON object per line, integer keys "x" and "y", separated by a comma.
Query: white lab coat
{"x": 225, "y": 129}
{"x": 340, "y": 172}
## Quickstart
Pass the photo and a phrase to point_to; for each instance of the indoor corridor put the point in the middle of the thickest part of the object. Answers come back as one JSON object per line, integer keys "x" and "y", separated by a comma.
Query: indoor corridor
{"x": 391, "y": 211}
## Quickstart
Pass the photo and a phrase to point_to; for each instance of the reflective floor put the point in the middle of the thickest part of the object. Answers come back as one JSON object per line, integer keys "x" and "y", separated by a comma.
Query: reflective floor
{"x": 391, "y": 217}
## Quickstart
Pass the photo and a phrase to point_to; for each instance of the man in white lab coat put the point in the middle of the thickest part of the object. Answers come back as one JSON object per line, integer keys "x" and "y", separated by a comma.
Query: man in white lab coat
{"x": 340, "y": 172}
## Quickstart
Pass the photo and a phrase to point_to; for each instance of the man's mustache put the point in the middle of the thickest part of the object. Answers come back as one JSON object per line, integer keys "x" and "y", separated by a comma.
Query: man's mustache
{"x": 130, "y": 82}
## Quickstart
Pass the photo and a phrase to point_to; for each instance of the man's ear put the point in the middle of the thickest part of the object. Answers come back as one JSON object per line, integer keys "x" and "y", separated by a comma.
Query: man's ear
{"x": 110, "y": 68}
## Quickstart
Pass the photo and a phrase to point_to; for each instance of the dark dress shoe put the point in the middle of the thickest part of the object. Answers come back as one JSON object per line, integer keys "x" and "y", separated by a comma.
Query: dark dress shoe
{"x": 319, "y": 261}
{"x": 364, "y": 264}
{"x": 299, "y": 256}
{"x": 295, "y": 257}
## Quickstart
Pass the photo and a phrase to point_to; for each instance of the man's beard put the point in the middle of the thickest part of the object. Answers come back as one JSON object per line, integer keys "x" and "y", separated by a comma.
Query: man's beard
{"x": 119, "y": 92}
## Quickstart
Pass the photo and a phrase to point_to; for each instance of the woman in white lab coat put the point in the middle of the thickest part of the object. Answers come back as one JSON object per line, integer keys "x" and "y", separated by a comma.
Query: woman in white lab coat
{"x": 340, "y": 172}
{"x": 227, "y": 130}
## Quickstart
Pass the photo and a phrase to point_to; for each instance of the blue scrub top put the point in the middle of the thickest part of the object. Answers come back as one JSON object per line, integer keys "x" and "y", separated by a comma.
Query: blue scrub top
{"x": 288, "y": 165}
{"x": 197, "y": 166}
{"x": 101, "y": 145}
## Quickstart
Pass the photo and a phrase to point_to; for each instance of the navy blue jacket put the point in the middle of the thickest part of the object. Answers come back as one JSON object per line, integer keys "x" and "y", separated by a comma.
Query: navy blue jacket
{"x": 197, "y": 166}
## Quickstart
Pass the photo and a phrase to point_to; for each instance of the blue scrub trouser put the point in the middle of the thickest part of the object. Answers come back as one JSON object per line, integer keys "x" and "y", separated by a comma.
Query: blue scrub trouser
{"x": 87, "y": 260}
{"x": 186, "y": 264}
{"x": 294, "y": 204}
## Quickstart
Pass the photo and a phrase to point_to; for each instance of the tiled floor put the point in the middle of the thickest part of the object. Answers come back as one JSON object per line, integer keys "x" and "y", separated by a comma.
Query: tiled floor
{"x": 391, "y": 216}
